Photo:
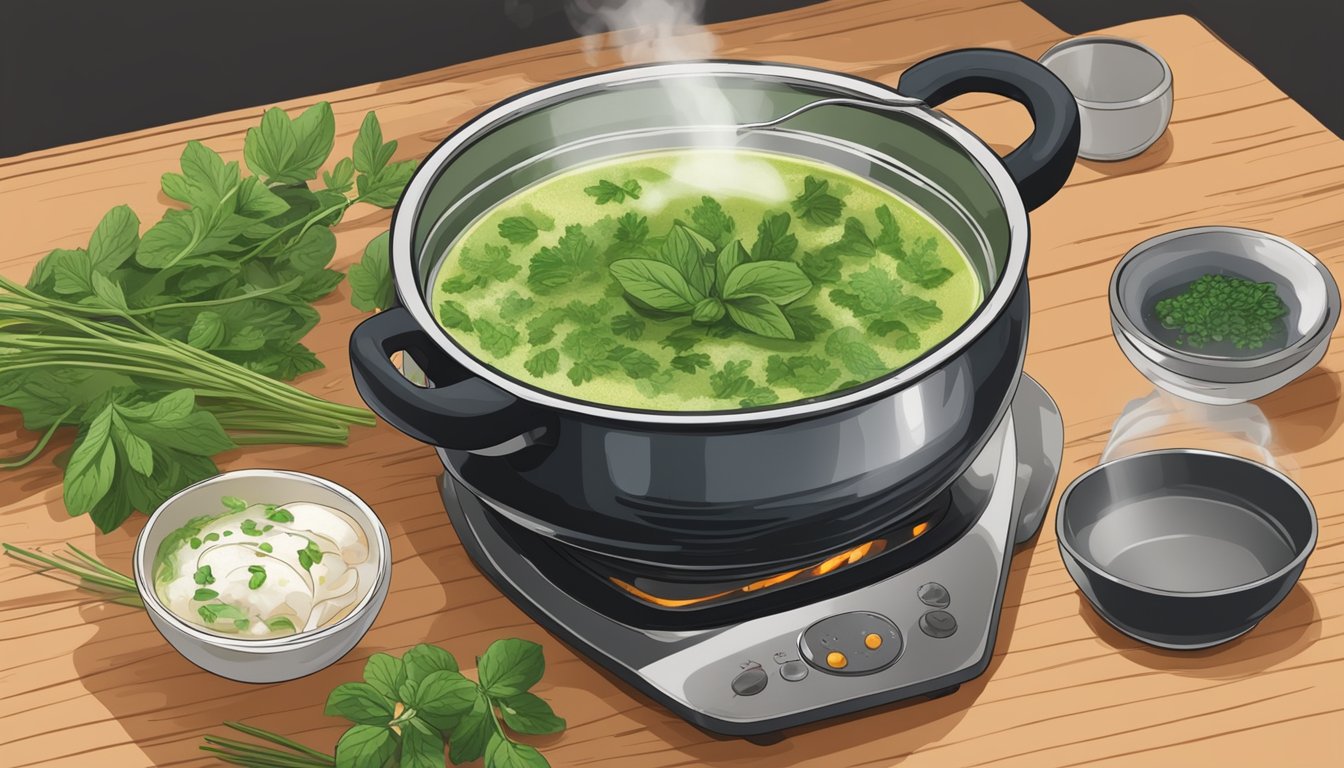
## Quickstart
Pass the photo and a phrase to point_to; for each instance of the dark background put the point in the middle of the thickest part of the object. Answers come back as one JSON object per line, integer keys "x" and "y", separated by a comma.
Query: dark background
{"x": 72, "y": 70}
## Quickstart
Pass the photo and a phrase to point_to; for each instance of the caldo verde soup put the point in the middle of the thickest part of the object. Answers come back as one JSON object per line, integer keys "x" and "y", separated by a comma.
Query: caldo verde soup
{"x": 702, "y": 280}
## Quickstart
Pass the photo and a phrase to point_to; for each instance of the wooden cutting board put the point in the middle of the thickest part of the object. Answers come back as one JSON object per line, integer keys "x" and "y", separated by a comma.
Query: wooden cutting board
{"x": 86, "y": 683}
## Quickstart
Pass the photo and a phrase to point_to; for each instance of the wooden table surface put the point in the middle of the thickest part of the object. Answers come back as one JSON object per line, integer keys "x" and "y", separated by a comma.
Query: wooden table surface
{"x": 86, "y": 683}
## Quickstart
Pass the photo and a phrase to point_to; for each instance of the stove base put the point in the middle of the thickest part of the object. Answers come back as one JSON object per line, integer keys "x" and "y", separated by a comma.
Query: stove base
{"x": 754, "y": 677}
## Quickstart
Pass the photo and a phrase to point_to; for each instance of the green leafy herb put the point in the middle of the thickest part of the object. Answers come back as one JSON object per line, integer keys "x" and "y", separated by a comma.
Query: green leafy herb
{"x": 690, "y": 363}
{"x": 514, "y": 306}
{"x": 1220, "y": 308}
{"x": 632, "y": 230}
{"x": 496, "y": 338}
{"x": 773, "y": 240}
{"x": 203, "y": 595}
{"x": 822, "y": 266}
{"x": 805, "y": 373}
{"x": 249, "y": 528}
{"x": 371, "y": 278}
{"x": 380, "y": 181}
{"x": 888, "y": 239}
{"x": 215, "y": 612}
{"x": 518, "y": 230}
{"x": 233, "y": 503}
{"x": 213, "y": 297}
{"x": 257, "y": 578}
{"x": 682, "y": 282}
{"x": 732, "y": 381}
{"x": 627, "y": 325}
{"x": 543, "y": 363}
{"x": 454, "y": 315}
{"x": 874, "y": 296}
{"x": 573, "y": 257}
{"x": 855, "y": 240}
{"x": 203, "y": 575}
{"x": 922, "y": 265}
{"x": 711, "y": 221}
{"x": 264, "y": 546}
{"x": 849, "y": 347}
{"x": 310, "y": 555}
{"x": 816, "y": 205}
{"x": 607, "y": 192}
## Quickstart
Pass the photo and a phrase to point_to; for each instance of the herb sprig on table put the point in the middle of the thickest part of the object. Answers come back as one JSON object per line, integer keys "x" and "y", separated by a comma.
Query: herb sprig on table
{"x": 407, "y": 711}
{"x": 164, "y": 348}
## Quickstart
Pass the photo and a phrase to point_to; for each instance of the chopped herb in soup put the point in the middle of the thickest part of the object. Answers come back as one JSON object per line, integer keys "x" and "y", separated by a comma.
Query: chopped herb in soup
{"x": 702, "y": 280}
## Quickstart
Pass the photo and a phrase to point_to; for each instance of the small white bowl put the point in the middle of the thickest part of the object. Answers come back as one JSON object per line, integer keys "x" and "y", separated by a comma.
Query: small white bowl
{"x": 266, "y": 660}
{"x": 1123, "y": 90}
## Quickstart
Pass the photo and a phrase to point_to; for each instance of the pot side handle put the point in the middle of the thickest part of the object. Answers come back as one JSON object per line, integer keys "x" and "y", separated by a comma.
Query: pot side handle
{"x": 460, "y": 412}
{"x": 1042, "y": 164}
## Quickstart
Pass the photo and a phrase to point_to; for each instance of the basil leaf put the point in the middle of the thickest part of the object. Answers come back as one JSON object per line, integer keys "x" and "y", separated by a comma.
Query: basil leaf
{"x": 371, "y": 278}
{"x": 471, "y": 733}
{"x": 503, "y": 753}
{"x": 526, "y": 713}
{"x": 759, "y": 315}
{"x": 203, "y": 575}
{"x": 687, "y": 251}
{"x": 365, "y": 746}
{"x": 114, "y": 239}
{"x": 203, "y": 595}
{"x": 732, "y": 255}
{"x": 851, "y": 348}
{"x": 708, "y": 311}
{"x": 359, "y": 703}
{"x": 779, "y": 281}
{"x": 258, "y": 576}
{"x": 657, "y": 284}
{"x": 90, "y": 471}
{"x": 773, "y": 241}
{"x": 423, "y": 659}
{"x": 385, "y": 674}
{"x": 511, "y": 666}
{"x": 445, "y": 693}
{"x": 421, "y": 745}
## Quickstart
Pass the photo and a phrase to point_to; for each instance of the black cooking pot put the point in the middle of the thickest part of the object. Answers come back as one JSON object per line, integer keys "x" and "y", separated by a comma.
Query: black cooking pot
{"x": 744, "y": 489}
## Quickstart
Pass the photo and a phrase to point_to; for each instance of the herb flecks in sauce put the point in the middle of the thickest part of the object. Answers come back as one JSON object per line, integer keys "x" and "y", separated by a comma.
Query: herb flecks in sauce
{"x": 306, "y": 569}
{"x": 692, "y": 298}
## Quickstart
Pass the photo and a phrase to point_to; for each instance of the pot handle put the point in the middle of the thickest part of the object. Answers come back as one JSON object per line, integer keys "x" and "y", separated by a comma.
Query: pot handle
{"x": 460, "y": 412}
{"x": 1042, "y": 164}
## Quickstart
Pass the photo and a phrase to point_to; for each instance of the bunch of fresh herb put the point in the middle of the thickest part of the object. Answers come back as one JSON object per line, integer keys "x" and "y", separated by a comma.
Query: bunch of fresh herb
{"x": 1219, "y": 308}
{"x": 92, "y": 573}
{"x": 686, "y": 277}
{"x": 163, "y": 349}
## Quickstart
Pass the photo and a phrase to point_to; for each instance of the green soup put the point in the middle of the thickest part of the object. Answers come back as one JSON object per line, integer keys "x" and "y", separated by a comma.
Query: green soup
{"x": 702, "y": 279}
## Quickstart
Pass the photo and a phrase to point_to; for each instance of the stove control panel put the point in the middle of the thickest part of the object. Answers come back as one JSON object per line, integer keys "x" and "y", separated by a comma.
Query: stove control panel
{"x": 854, "y": 643}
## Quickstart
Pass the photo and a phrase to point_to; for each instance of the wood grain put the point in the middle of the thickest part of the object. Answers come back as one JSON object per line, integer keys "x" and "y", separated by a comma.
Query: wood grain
{"x": 83, "y": 683}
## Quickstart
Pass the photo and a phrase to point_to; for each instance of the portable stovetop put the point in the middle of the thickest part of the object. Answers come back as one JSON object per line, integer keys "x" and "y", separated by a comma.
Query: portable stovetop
{"x": 919, "y": 632}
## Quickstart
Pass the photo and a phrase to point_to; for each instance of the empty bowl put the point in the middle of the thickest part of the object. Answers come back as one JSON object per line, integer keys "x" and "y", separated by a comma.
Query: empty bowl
{"x": 1184, "y": 549}
{"x": 270, "y": 659}
{"x": 1123, "y": 90}
{"x": 1220, "y": 375}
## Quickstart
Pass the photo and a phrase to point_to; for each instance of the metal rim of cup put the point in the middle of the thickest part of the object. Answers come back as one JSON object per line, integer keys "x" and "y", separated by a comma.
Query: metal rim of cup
{"x": 1163, "y": 87}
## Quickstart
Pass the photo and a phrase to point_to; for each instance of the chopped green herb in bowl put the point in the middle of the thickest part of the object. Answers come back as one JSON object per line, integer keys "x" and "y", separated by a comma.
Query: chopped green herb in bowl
{"x": 1220, "y": 308}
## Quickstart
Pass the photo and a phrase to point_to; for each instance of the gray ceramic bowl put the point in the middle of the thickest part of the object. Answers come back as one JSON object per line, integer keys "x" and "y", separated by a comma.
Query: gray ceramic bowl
{"x": 1165, "y": 263}
{"x": 1123, "y": 90}
{"x": 267, "y": 660}
{"x": 1184, "y": 549}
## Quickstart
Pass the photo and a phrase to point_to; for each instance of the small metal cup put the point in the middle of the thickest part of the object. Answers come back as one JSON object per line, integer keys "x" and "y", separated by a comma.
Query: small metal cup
{"x": 1123, "y": 89}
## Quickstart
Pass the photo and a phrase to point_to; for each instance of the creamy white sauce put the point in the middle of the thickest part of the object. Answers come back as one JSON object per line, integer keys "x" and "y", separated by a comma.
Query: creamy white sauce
{"x": 265, "y": 571}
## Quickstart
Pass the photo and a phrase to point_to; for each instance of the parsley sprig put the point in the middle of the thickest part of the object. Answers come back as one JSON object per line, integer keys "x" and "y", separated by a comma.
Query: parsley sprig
{"x": 164, "y": 348}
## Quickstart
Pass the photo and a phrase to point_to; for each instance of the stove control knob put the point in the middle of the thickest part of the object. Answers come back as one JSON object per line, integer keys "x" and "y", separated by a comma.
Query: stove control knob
{"x": 793, "y": 671}
{"x": 934, "y": 595}
{"x": 938, "y": 624}
{"x": 750, "y": 681}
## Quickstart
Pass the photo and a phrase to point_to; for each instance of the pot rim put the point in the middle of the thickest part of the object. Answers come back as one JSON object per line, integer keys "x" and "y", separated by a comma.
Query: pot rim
{"x": 406, "y": 215}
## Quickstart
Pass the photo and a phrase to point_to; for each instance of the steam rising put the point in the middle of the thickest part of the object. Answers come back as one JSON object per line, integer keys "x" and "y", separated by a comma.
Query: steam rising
{"x": 649, "y": 31}
{"x": 1163, "y": 420}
